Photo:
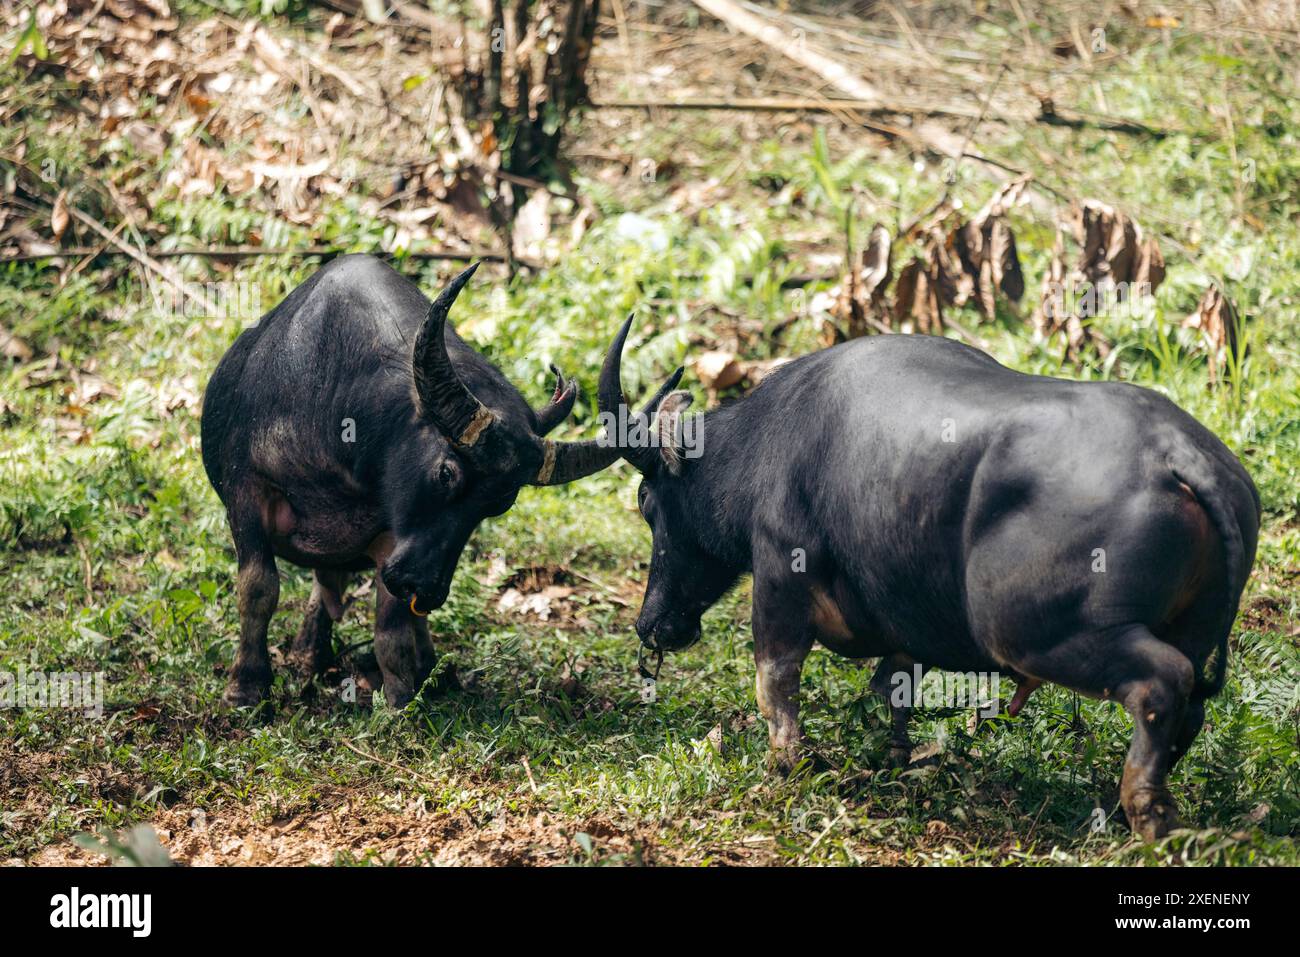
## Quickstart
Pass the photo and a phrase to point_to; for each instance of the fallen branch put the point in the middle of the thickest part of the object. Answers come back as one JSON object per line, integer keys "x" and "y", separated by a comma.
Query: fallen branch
{"x": 930, "y": 135}
{"x": 794, "y": 104}
{"x": 232, "y": 253}
{"x": 1051, "y": 116}
{"x": 235, "y": 253}
{"x": 388, "y": 764}
{"x": 144, "y": 259}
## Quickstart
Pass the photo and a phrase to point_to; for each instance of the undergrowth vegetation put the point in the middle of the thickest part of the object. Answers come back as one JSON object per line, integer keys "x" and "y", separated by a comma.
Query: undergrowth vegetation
{"x": 114, "y": 555}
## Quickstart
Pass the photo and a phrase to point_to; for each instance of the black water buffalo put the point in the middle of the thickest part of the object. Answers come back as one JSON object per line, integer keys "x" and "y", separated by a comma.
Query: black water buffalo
{"x": 908, "y": 497}
{"x": 349, "y": 428}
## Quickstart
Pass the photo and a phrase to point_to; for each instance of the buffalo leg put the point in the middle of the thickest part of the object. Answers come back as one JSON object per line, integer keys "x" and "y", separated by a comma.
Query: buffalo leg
{"x": 900, "y": 742}
{"x": 782, "y": 640}
{"x": 1153, "y": 681}
{"x": 402, "y": 648}
{"x": 1158, "y": 704}
{"x": 312, "y": 652}
{"x": 1192, "y": 721}
{"x": 259, "y": 592}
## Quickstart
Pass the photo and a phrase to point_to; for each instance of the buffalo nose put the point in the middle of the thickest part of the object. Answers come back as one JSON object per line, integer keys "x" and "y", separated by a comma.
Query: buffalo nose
{"x": 409, "y": 592}
{"x": 436, "y": 596}
{"x": 645, "y": 632}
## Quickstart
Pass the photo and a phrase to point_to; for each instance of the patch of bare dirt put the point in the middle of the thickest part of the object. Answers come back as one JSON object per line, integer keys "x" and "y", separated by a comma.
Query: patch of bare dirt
{"x": 353, "y": 828}
{"x": 1268, "y": 609}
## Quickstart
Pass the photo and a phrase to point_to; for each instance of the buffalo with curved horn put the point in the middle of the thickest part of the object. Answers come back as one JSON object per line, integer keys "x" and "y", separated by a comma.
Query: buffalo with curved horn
{"x": 908, "y": 498}
{"x": 351, "y": 429}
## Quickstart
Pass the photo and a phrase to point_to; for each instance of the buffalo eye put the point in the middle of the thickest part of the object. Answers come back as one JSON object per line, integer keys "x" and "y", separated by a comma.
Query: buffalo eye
{"x": 449, "y": 476}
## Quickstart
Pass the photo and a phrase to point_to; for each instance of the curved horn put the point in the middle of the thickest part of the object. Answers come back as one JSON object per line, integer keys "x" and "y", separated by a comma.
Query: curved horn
{"x": 610, "y": 391}
{"x": 561, "y": 404}
{"x": 441, "y": 395}
{"x": 613, "y": 404}
{"x": 565, "y": 462}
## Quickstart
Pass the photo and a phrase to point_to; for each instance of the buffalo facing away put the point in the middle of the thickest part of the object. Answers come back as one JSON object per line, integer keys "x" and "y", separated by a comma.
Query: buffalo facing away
{"x": 910, "y": 498}
{"x": 349, "y": 429}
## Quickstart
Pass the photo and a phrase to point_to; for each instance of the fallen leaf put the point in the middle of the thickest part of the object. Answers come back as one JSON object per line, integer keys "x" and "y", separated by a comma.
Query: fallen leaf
{"x": 714, "y": 738}
{"x": 960, "y": 260}
{"x": 717, "y": 369}
{"x": 756, "y": 370}
{"x": 168, "y": 561}
{"x": 13, "y": 347}
{"x": 59, "y": 217}
{"x": 145, "y": 138}
{"x": 1056, "y": 313}
{"x": 88, "y": 388}
{"x": 538, "y": 604}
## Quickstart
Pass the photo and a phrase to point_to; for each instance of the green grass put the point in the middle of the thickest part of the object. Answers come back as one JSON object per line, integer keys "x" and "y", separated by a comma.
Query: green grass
{"x": 114, "y": 495}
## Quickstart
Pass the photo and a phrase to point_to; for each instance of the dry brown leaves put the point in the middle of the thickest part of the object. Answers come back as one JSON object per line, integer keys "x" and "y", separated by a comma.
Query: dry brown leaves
{"x": 929, "y": 282}
{"x": 1114, "y": 250}
{"x": 986, "y": 247}
{"x": 13, "y": 348}
{"x": 551, "y": 593}
{"x": 861, "y": 302}
{"x": 1216, "y": 319}
{"x": 1116, "y": 263}
{"x": 202, "y": 100}
{"x": 958, "y": 260}
{"x": 357, "y": 824}
{"x": 1056, "y": 313}
{"x": 121, "y": 47}
{"x": 721, "y": 369}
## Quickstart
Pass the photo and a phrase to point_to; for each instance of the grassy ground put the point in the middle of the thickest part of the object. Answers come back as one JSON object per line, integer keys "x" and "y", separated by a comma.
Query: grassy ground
{"x": 114, "y": 555}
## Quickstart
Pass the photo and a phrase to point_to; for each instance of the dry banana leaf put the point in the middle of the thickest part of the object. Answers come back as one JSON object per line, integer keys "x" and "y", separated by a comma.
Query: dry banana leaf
{"x": 1057, "y": 312}
{"x": 959, "y": 261}
{"x": 861, "y": 297}
{"x": 1115, "y": 251}
{"x": 1217, "y": 321}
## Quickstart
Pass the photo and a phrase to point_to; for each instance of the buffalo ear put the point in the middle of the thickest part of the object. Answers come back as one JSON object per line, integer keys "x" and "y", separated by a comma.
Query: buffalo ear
{"x": 668, "y": 426}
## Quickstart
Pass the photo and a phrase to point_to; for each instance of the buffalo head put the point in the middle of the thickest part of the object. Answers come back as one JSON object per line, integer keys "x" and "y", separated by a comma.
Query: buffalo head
{"x": 686, "y": 573}
{"x": 480, "y": 445}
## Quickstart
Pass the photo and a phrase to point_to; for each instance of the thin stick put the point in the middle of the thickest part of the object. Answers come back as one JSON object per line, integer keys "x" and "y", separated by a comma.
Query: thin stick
{"x": 836, "y": 74}
{"x": 826, "y": 830}
{"x": 249, "y": 252}
{"x": 613, "y": 595}
{"x": 620, "y": 18}
{"x": 529, "y": 771}
{"x": 145, "y": 260}
{"x": 966, "y": 334}
{"x": 781, "y": 104}
{"x": 97, "y": 251}
{"x": 389, "y": 764}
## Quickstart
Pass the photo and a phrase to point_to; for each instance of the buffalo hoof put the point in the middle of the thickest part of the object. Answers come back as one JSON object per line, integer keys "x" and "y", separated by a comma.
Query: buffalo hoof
{"x": 783, "y": 761}
{"x": 400, "y": 693}
{"x": 398, "y": 697}
{"x": 245, "y": 693}
{"x": 1152, "y": 814}
{"x": 799, "y": 757}
{"x": 898, "y": 757}
{"x": 309, "y": 662}
{"x": 312, "y": 651}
